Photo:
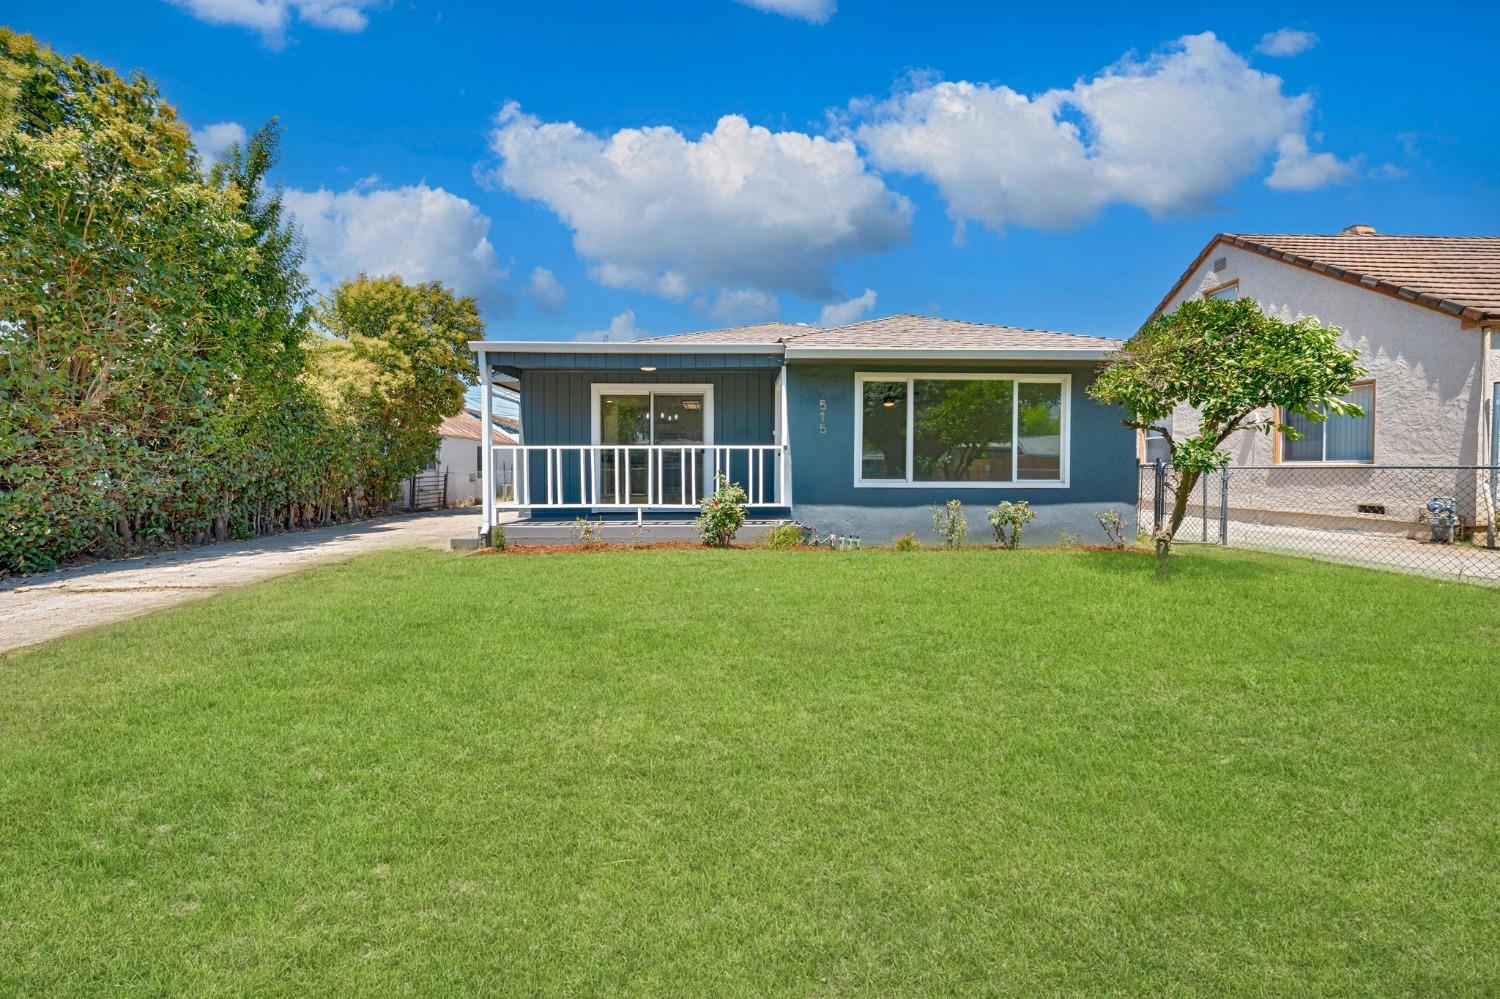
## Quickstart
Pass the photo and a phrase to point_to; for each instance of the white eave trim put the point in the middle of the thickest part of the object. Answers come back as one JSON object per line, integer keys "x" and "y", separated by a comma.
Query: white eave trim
{"x": 942, "y": 354}
{"x": 619, "y": 347}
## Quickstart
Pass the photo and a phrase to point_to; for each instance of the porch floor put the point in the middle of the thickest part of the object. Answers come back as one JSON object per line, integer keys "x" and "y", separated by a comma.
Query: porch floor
{"x": 551, "y": 531}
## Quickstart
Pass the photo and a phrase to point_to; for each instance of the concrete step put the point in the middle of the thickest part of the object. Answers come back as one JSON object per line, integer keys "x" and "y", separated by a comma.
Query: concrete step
{"x": 563, "y": 532}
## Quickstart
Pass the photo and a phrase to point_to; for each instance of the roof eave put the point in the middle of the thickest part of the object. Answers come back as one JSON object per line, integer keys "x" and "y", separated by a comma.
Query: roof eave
{"x": 617, "y": 347}
{"x": 943, "y": 354}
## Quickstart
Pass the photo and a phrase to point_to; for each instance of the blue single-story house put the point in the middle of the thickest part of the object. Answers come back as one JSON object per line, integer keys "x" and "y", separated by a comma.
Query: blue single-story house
{"x": 855, "y": 430}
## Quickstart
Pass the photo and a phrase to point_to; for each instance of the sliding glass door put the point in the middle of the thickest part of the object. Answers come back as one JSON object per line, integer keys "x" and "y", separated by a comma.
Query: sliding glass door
{"x": 667, "y": 418}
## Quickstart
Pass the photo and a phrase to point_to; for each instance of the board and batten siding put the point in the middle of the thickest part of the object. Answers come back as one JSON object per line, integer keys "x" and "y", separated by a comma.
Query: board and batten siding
{"x": 556, "y": 406}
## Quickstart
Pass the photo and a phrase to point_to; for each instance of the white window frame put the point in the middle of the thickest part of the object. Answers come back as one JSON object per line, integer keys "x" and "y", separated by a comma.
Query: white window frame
{"x": 648, "y": 389}
{"x": 1281, "y": 458}
{"x": 910, "y": 377}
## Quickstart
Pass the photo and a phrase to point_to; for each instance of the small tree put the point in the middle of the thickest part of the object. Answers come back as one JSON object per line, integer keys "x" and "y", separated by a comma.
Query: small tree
{"x": 1239, "y": 368}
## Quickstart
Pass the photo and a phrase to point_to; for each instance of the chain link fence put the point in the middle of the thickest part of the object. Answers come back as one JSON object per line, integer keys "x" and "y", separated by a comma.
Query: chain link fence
{"x": 1433, "y": 520}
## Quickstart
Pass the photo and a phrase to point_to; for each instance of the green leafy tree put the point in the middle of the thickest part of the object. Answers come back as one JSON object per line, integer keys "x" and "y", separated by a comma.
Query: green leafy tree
{"x": 1239, "y": 368}
{"x": 115, "y": 254}
{"x": 393, "y": 358}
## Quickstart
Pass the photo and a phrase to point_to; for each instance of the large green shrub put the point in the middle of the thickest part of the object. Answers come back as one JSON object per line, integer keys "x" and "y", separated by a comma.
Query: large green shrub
{"x": 154, "y": 324}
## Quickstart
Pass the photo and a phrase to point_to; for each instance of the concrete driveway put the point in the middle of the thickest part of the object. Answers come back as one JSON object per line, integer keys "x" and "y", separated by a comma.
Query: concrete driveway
{"x": 37, "y": 608}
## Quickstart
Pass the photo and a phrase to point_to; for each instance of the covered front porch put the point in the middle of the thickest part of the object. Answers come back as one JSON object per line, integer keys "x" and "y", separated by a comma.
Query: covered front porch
{"x": 631, "y": 432}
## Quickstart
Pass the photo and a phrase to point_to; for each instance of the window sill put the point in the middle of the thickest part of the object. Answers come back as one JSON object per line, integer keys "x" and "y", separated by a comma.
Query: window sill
{"x": 896, "y": 484}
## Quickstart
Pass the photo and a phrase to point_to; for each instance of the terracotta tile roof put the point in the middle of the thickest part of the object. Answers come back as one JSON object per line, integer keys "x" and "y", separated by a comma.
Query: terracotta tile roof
{"x": 466, "y": 425}
{"x": 926, "y": 333}
{"x": 759, "y": 333}
{"x": 1459, "y": 275}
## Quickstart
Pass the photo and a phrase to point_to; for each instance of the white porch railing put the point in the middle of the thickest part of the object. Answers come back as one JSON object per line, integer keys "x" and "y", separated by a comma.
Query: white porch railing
{"x": 635, "y": 476}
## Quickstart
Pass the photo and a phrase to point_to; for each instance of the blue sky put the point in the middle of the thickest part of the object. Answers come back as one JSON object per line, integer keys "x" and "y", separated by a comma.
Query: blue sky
{"x": 1035, "y": 165}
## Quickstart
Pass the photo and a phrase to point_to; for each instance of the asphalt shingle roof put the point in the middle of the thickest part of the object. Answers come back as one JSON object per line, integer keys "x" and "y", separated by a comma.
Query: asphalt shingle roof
{"x": 759, "y": 333}
{"x": 903, "y": 332}
{"x": 919, "y": 333}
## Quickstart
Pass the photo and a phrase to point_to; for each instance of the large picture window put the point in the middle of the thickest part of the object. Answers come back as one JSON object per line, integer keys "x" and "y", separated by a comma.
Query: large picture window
{"x": 930, "y": 429}
{"x": 1338, "y": 438}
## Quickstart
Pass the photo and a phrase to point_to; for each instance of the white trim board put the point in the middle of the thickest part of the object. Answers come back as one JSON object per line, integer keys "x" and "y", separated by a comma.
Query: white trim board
{"x": 1065, "y": 456}
{"x": 596, "y": 389}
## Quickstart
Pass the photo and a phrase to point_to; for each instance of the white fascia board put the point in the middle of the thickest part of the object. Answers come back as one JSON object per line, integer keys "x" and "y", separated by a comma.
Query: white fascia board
{"x": 619, "y": 347}
{"x": 940, "y": 354}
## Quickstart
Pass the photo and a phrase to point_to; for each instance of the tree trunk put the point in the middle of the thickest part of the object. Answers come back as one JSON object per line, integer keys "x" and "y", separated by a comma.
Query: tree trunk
{"x": 1185, "y": 483}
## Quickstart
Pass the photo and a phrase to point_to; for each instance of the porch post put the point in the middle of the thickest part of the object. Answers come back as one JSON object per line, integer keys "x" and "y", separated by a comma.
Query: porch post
{"x": 486, "y": 446}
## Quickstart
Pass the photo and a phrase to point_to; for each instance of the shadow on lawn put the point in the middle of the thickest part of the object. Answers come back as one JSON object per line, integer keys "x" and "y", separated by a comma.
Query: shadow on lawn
{"x": 1141, "y": 563}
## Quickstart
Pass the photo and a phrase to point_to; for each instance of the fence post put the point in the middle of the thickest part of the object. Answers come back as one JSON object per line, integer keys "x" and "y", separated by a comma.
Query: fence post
{"x": 1158, "y": 508}
{"x": 1203, "y": 509}
{"x": 1224, "y": 505}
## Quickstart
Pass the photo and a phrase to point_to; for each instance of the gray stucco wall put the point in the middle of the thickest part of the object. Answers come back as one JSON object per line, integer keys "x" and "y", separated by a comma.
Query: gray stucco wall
{"x": 1102, "y": 472}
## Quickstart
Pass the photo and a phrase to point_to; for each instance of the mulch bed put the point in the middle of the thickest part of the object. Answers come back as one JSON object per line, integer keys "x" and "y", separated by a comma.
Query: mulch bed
{"x": 606, "y": 546}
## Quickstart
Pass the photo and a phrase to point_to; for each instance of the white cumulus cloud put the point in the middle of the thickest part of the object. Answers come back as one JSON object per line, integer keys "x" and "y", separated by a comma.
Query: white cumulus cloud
{"x": 621, "y": 328}
{"x": 1299, "y": 169}
{"x": 212, "y": 140}
{"x": 812, "y": 11}
{"x": 546, "y": 291}
{"x": 849, "y": 311}
{"x": 421, "y": 233}
{"x": 1286, "y": 42}
{"x": 740, "y": 305}
{"x": 740, "y": 207}
{"x": 1167, "y": 134}
{"x": 271, "y": 17}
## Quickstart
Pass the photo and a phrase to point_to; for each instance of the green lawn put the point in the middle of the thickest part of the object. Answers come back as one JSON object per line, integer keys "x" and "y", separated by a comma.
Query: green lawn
{"x": 747, "y": 772}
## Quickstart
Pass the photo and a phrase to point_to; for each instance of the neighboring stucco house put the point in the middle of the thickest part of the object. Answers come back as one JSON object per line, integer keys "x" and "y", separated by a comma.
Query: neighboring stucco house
{"x": 855, "y": 430}
{"x": 1420, "y": 310}
{"x": 460, "y": 456}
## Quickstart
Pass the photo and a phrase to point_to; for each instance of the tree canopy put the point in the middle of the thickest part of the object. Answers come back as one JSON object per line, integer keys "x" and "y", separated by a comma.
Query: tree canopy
{"x": 1239, "y": 368}
{"x": 154, "y": 331}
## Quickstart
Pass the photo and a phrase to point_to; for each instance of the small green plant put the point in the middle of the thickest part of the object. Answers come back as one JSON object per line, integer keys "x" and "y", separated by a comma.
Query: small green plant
{"x": 951, "y": 524}
{"x": 721, "y": 513}
{"x": 638, "y": 536}
{"x": 783, "y": 536}
{"x": 1067, "y": 539}
{"x": 1114, "y": 526}
{"x": 1009, "y": 520}
{"x": 588, "y": 531}
{"x": 497, "y": 537}
{"x": 907, "y": 542}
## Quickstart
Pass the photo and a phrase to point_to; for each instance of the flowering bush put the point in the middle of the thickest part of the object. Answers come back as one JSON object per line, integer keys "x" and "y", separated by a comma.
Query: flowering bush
{"x": 1114, "y": 526}
{"x": 950, "y": 523}
{"x": 1009, "y": 520}
{"x": 721, "y": 513}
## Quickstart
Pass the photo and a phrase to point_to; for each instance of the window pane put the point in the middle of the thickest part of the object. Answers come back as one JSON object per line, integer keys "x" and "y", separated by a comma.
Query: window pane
{"x": 883, "y": 449}
{"x": 679, "y": 418}
{"x": 1040, "y": 455}
{"x": 624, "y": 419}
{"x": 1230, "y": 293}
{"x": 962, "y": 430}
{"x": 1310, "y": 446}
{"x": 1352, "y": 438}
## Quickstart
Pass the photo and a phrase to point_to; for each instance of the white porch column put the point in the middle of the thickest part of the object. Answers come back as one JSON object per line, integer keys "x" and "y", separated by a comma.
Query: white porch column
{"x": 486, "y": 445}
